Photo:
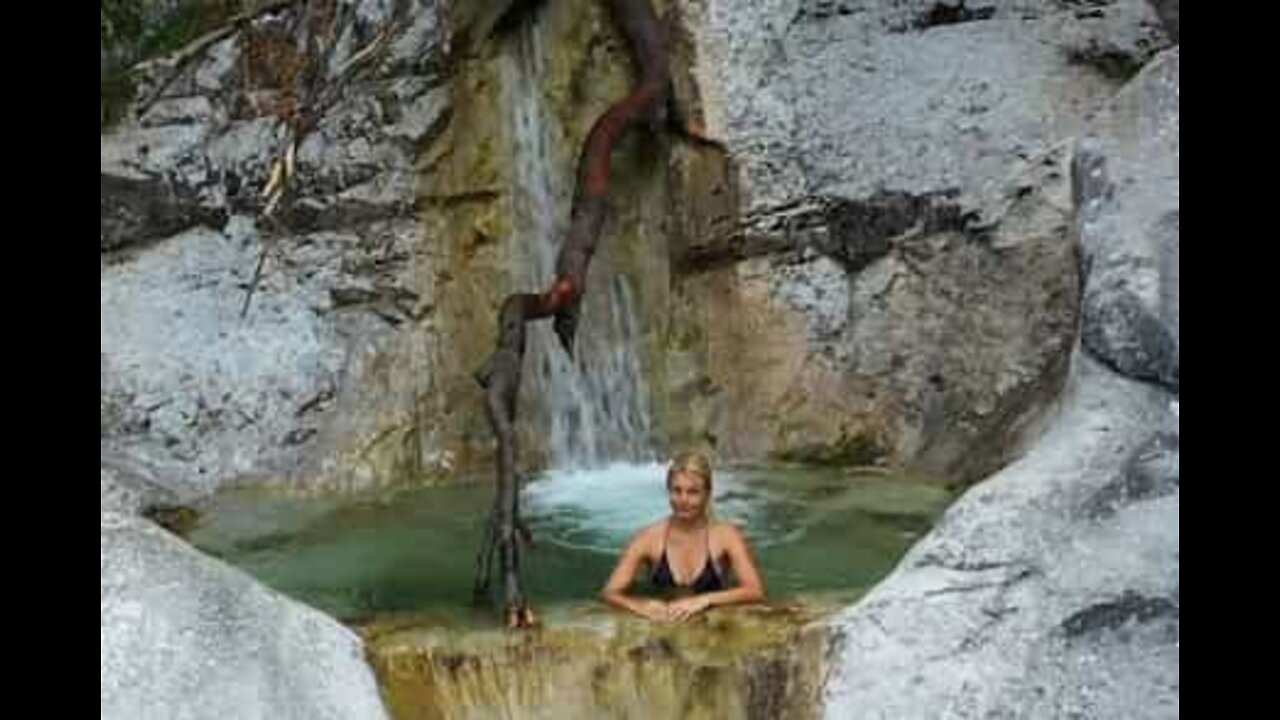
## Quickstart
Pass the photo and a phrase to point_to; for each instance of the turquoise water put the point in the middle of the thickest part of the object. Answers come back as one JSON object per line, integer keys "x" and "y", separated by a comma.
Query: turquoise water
{"x": 414, "y": 550}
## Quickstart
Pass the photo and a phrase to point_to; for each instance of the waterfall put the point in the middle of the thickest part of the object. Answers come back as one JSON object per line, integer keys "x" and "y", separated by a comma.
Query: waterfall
{"x": 597, "y": 403}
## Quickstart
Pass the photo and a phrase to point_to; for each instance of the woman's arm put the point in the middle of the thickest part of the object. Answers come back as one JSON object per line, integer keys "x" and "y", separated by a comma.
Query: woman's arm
{"x": 614, "y": 591}
{"x": 750, "y": 588}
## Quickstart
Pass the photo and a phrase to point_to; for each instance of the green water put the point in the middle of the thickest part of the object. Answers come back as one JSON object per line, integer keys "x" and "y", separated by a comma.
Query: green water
{"x": 414, "y": 550}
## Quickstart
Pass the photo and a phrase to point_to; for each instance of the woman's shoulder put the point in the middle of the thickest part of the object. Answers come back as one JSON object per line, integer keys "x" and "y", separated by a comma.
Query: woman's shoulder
{"x": 726, "y": 530}
{"x": 648, "y": 534}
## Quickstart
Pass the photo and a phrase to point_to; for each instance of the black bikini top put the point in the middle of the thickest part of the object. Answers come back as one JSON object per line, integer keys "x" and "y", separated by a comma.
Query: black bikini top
{"x": 708, "y": 580}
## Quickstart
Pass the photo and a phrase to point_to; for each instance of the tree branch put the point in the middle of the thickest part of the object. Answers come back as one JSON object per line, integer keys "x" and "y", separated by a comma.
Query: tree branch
{"x": 500, "y": 374}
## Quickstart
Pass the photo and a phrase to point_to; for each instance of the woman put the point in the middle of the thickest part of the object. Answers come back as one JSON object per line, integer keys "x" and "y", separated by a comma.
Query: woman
{"x": 689, "y": 553}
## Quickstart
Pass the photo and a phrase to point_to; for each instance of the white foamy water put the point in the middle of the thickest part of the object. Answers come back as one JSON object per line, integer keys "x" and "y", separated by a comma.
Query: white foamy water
{"x": 600, "y": 509}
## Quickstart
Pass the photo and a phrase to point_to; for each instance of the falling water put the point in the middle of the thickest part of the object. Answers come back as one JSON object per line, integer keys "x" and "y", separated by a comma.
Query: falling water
{"x": 597, "y": 403}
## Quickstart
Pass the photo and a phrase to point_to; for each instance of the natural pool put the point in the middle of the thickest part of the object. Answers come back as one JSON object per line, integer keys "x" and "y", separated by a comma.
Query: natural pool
{"x": 816, "y": 531}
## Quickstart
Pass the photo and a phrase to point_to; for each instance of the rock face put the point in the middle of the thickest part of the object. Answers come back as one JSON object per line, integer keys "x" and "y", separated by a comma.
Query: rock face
{"x": 200, "y": 385}
{"x": 847, "y": 98}
{"x": 235, "y": 347}
{"x": 184, "y": 636}
{"x": 1126, "y": 179}
{"x": 933, "y": 344}
{"x": 1051, "y": 589}
{"x": 1168, "y": 11}
{"x": 901, "y": 282}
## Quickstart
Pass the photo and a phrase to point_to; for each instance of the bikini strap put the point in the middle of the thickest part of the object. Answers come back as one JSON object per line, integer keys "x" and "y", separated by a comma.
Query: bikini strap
{"x": 715, "y": 566}
{"x": 711, "y": 558}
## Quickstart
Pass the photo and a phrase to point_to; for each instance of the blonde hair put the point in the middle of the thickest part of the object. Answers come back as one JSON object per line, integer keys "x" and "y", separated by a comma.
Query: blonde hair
{"x": 691, "y": 461}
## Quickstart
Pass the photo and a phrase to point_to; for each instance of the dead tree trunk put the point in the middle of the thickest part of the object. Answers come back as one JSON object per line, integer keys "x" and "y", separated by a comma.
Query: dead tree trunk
{"x": 650, "y": 102}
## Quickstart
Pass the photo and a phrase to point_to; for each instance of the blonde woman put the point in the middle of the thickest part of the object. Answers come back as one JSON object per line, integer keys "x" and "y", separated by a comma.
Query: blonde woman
{"x": 689, "y": 554}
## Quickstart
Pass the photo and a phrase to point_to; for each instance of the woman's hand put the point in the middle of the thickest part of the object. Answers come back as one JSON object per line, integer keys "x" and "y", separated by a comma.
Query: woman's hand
{"x": 655, "y": 610}
{"x": 686, "y": 608}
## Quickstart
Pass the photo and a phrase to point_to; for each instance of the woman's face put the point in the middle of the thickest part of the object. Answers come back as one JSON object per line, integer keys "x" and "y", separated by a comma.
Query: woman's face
{"x": 688, "y": 495}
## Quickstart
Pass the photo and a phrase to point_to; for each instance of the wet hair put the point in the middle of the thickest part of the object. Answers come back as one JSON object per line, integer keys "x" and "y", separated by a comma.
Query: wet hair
{"x": 691, "y": 462}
